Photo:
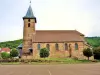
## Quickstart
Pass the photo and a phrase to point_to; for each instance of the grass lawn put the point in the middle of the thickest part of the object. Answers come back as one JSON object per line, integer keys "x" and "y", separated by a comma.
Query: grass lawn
{"x": 10, "y": 63}
{"x": 49, "y": 61}
{"x": 59, "y": 61}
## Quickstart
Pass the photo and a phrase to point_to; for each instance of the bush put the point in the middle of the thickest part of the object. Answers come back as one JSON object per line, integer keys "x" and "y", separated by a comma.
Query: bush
{"x": 44, "y": 52}
{"x": 87, "y": 52}
{"x": 5, "y": 55}
{"x": 97, "y": 53}
{"x": 14, "y": 53}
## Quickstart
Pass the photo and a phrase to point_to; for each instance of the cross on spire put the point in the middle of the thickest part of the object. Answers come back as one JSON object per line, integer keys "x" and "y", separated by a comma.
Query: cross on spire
{"x": 30, "y": 1}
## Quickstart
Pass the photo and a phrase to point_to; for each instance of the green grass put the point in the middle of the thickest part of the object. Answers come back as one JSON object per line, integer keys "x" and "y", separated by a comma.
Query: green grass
{"x": 44, "y": 61}
{"x": 10, "y": 63}
{"x": 60, "y": 61}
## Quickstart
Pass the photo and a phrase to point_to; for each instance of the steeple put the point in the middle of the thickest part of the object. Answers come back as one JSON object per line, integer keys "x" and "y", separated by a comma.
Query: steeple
{"x": 29, "y": 14}
{"x": 29, "y": 21}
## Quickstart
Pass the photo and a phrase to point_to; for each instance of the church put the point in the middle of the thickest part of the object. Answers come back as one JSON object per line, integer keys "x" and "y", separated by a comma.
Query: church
{"x": 60, "y": 43}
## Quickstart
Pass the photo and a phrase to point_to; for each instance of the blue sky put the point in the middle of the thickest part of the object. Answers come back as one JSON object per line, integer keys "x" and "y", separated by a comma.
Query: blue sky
{"x": 82, "y": 15}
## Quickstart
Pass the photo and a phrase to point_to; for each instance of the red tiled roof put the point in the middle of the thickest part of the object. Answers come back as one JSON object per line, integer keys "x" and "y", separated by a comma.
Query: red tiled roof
{"x": 57, "y": 36}
{"x": 5, "y": 50}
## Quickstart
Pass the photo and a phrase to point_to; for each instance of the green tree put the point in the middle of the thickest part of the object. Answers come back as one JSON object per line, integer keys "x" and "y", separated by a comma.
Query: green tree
{"x": 14, "y": 53}
{"x": 5, "y": 55}
{"x": 93, "y": 41}
{"x": 11, "y": 44}
{"x": 44, "y": 52}
{"x": 87, "y": 52}
{"x": 97, "y": 53}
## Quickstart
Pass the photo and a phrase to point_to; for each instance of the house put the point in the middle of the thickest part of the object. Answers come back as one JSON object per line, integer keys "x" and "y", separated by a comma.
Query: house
{"x": 5, "y": 50}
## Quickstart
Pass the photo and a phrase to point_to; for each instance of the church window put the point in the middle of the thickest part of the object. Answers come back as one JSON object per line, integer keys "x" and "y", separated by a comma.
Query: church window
{"x": 76, "y": 46}
{"x": 28, "y": 20}
{"x": 66, "y": 46}
{"x": 38, "y": 46}
{"x": 57, "y": 46}
{"x": 28, "y": 24}
{"x": 48, "y": 46}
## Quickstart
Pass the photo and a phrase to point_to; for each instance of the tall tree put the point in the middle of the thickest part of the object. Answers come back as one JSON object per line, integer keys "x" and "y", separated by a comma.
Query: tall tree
{"x": 87, "y": 52}
{"x": 97, "y": 53}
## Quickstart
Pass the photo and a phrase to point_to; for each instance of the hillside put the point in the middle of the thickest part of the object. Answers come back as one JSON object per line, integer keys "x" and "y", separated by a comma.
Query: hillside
{"x": 93, "y": 41}
{"x": 11, "y": 44}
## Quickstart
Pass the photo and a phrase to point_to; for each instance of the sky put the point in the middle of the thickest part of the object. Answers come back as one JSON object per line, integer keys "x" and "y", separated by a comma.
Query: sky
{"x": 80, "y": 15}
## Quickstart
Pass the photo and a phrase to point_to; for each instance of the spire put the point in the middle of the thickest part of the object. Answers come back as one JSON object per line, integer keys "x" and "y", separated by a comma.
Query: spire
{"x": 29, "y": 14}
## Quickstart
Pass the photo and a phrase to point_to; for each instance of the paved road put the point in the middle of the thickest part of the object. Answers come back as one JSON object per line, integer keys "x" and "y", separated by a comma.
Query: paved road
{"x": 68, "y": 69}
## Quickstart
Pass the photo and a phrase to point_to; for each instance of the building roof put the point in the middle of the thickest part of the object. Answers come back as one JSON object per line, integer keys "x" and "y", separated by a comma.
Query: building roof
{"x": 20, "y": 46}
{"x": 5, "y": 50}
{"x": 29, "y": 13}
{"x": 58, "y": 36}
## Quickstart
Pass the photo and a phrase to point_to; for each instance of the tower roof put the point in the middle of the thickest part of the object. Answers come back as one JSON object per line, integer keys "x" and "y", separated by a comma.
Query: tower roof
{"x": 29, "y": 13}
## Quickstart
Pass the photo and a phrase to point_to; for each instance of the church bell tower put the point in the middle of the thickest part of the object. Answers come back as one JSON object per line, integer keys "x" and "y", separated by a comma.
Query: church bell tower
{"x": 28, "y": 30}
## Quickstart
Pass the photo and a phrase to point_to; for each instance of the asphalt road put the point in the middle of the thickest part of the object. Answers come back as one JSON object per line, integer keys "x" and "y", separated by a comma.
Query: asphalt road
{"x": 68, "y": 69}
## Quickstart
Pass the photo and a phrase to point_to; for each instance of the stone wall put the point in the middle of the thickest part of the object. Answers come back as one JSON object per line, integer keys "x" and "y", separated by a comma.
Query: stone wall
{"x": 61, "y": 52}
{"x": 28, "y": 33}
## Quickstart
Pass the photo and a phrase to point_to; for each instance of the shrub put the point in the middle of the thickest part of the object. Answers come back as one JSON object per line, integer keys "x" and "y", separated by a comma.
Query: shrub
{"x": 87, "y": 52}
{"x": 14, "y": 53}
{"x": 5, "y": 55}
{"x": 44, "y": 52}
{"x": 97, "y": 53}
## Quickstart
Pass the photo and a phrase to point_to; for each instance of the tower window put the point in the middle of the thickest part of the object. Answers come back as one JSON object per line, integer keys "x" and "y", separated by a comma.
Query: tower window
{"x": 28, "y": 20}
{"x": 28, "y": 24}
{"x": 31, "y": 50}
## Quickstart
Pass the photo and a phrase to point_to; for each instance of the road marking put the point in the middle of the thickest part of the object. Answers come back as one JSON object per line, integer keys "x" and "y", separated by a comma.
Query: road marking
{"x": 49, "y": 72}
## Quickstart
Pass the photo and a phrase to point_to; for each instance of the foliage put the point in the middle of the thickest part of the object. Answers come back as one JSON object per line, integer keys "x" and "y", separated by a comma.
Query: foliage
{"x": 44, "y": 52}
{"x": 97, "y": 53}
{"x": 93, "y": 41}
{"x": 5, "y": 55}
{"x": 14, "y": 53}
{"x": 87, "y": 52}
{"x": 11, "y": 44}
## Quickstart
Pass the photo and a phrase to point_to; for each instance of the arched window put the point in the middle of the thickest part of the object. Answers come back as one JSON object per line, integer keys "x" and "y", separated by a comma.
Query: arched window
{"x": 28, "y": 24}
{"x": 28, "y": 20}
{"x": 76, "y": 46}
{"x": 57, "y": 46}
{"x": 38, "y": 46}
{"x": 66, "y": 46}
{"x": 48, "y": 46}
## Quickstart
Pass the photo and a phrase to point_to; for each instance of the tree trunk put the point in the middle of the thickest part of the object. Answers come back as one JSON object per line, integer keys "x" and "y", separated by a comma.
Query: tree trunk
{"x": 88, "y": 58}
